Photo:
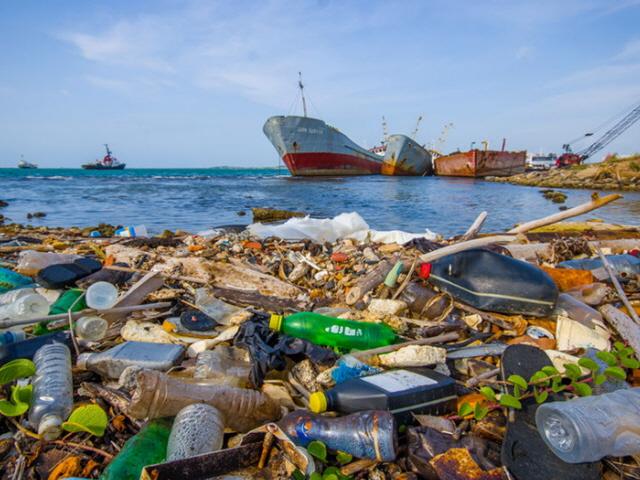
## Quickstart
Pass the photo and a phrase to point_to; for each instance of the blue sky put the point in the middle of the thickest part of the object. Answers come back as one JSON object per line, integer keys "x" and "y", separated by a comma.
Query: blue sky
{"x": 189, "y": 83}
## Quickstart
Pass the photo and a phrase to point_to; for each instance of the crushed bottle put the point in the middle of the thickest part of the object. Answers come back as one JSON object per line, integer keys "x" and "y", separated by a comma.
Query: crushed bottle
{"x": 197, "y": 429}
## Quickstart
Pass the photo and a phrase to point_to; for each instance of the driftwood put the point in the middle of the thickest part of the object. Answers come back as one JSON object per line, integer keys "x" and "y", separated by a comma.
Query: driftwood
{"x": 255, "y": 299}
{"x": 627, "y": 328}
{"x": 370, "y": 281}
{"x": 136, "y": 294}
{"x": 462, "y": 246}
{"x": 572, "y": 212}
{"x": 531, "y": 251}
{"x": 475, "y": 227}
{"x": 447, "y": 337}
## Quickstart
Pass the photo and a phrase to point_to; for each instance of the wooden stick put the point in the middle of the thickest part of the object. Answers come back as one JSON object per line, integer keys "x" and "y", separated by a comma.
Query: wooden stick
{"x": 446, "y": 337}
{"x": 475, "y": 227}
{"x": 370, "y": 281}
{"x": 618, "y": 287}
{"x": 627, "y": 328}
{"x": 357, "y": 466}
{"x": 166, "y": 275}
{"x": 406, "y": 280}
{"x": 472, "y": 382}
{"x": 459, "y": 247}
{"x": 572, "y": 212}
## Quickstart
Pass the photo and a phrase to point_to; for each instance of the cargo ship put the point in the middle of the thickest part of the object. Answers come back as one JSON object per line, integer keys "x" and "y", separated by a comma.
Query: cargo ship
{"x": 481, "y": 163}
{"x": 310, "y": 147}
{"x": 404, "y": 156}
{"x": 108, "y": 162}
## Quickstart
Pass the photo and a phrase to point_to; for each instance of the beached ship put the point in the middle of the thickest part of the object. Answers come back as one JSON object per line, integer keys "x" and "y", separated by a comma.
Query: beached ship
{"x": 310, "y": 147}
{"x": 481, "y": 163}
{"x": 404, "y": 156}
{"x": 26, "y": 165}
{"x": 108, "y": 162}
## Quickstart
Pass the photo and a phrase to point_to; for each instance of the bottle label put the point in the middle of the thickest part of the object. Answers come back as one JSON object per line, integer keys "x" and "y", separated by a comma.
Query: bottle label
{"x": 346, "y": 331}
{"x": 399, "y": 380}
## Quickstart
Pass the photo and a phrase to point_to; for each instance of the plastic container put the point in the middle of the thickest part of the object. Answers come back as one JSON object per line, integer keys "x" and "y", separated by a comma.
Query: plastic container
{"x": 402, "y": 392}
{"x": 159, "y": 395}
{"x": 11, "y": 336}
{"x": 22, "y": 304}
{"x": 334, "y": 332}
{"x": 137, "y": 231}
{"x": 215, "y": 308}
{"x": 52, "y": 390}
{"x": 10, "y": 280}
{"x": 91, "y": 329}
{"x": 589, "y": 428}
{"x": 224, "y": 366}
{"x": 31, "y": 262}
{"x": 370, "y": 434}
{"x": 497, "y": 283}
{"x": 111, "y": 363}
{"x": 577, "y": 310}
{"x": 592, "y": 294}
{"x": 28, "y": 348}
{"x": 147, "y": 447}
{"x": 68, "y": 300}
{"x": 197, "y": 429}
{"x": 101, "y": 296}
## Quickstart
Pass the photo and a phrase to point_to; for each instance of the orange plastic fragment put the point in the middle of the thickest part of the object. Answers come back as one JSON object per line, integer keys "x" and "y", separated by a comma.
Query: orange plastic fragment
{"x": 195, "y": 248}
{"x": 339, "y": 257}
{"x": 252, "y": 245}
{"x": 69, "y": 467}
{"x": 458, "y": 464}
{"x": 109, "y": 260}
{"x": 568, "y": 278}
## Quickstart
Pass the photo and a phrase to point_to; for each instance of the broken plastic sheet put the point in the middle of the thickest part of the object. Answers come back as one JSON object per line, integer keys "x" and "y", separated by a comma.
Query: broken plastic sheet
{"x": 345, "y": 225}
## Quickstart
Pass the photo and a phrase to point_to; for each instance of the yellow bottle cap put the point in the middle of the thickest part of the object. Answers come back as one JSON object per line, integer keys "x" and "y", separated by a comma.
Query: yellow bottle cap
{"x": 275, "y": 322}
{"x": 318, "y": 402}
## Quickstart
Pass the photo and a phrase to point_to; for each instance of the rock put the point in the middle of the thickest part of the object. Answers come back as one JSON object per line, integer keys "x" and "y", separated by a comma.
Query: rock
{"x": 413, "y": 356}
{"x": 370, "y": 256}
{"x": 241, "y": 213}
{"x": 386, "y": 307}
{"x": 36, "y": 215}
{"x": 273, "y": 215}
{"x": 3, "y": 204}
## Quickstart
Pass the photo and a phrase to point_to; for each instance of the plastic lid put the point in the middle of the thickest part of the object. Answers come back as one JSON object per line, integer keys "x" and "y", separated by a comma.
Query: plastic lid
{"x": 81, "y": 361}
{"x": 424, "y": 270}
{"x": 318, "y": 402}
{"x": 275, "y": 322}
{"x": 50, "y": 427}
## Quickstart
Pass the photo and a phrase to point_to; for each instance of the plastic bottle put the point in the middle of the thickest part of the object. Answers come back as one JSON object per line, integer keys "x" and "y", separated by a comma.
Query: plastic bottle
{"x": 28, "y": 348}
{"x": 11, "y": 336}
{"x": 10, "y": 280}
{"x": 147, "y": 447}
{"x": 424, "y": 301}
{"x": 625, "y": 266}
{"x": 52, "y": 390}
{"x": 589, "y": 428}
{"x": 101, "y": 296}
{"x": 497, "y": 283}
{"x": 158, "y": 395}
{"x": 418, "y": 390}
{"x": 220, "y": 311}
{"x": 592, "y": 294}
{"x": 67, "y": 300}
{"x": 369, "y": 434}
{"x": 334, "y": 332}
{"x": 111, "y": 363}
{"x": 577, "y": 310}
{"x": 22, "y": 304}
{"x": 31, "y": 262}
{"x": 197, "y": 429}
{"x": 224, "y": 365}
{"x": 92, "y": 329}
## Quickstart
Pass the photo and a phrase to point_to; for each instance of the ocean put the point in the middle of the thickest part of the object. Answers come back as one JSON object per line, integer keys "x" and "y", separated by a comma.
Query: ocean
{"x": 198, "y": 199}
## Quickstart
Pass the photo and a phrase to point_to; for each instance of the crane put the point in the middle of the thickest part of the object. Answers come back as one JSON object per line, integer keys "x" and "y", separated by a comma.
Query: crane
{"x": 415, "y": 130}
{"x": 385, "y": 130}
{"x": 571, "y": 158}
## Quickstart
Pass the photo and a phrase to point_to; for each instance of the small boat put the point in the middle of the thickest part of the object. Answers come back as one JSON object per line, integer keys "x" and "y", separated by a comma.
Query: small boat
{"x": 24, "y": 164}
{"x": 108, "y": 162}
{"x": 404, "y": 156}
{"x": 481, "y": 163}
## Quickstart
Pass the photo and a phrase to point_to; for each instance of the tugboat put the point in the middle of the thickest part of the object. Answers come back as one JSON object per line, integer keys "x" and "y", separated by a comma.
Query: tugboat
{"x": 108, "y": 162}
{"x": 24, "y": 164}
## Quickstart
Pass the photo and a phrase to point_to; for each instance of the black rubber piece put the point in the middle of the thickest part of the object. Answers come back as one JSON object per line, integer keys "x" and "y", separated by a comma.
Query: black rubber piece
{"x": 197, "y": 321}
{"x": 66, "y": 274}
{"x": 524, "y": 452}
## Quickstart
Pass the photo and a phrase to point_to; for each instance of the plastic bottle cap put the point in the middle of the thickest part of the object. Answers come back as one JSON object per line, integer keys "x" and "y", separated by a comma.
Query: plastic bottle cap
{"x": 81, "y": 361}
{"x": 318, "y": 402}
{"x": 50, "y": 427}
{"x": 275, "y": 322}
{"x": 424, "y": 270}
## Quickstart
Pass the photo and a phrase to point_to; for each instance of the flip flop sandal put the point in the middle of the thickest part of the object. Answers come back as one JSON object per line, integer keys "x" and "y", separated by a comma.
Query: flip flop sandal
{"x": 66, "y": 274}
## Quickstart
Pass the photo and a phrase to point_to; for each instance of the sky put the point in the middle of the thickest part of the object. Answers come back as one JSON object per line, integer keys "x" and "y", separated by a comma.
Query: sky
{"x": 171, "y": 83}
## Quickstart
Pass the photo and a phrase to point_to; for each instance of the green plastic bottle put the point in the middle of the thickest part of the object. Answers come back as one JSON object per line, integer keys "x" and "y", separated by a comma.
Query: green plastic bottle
{"x": 334, "y": 332}
{"x": 147, "y": 447}
{"x": 64, "y": 302}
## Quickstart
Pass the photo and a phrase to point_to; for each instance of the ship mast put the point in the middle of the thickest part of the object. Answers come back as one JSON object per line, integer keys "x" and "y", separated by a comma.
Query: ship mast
{"x": 106, "y": 145}
{"x": 304, "y": 101}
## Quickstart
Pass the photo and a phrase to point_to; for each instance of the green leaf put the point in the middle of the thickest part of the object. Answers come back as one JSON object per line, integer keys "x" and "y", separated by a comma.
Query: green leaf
{"x": 541, "y": 396}
{"x": 572, "y": 371}
{"x": 616, "y": 372}
{"x": 516, "y": 391}
{"x": 518, "y": 380}
{"x": 589, "y": 364}
{"x": 318, "y": 450}
{"x": 315, "y": 476}
{"x": 20, "y": 401}
{"x": 488, "y": 393}
{"x": 87, "y": 418}
{"x": 549, "y": 370}
{"x": 608, "y": 358}
{"x": 600, "y": 379}
{"x": 539, "y": 375}
{"x": 15, "y": 369}
{"x": 629, "y": 362}
{"x": 480, "y": 412}
{"x": 557, "y": 386}
{"x": 626, "y": 351}
{"x": 507, "y": 400}
{"x": 618, "y": 346}
{"x": 465, "y": 409}
{"x": 343, "y": 457}
{"x": 582, "y": 389}
{"x": 22, "y": 394}
{"x": 298, "y": 475}
{"x": 329, "y": 476}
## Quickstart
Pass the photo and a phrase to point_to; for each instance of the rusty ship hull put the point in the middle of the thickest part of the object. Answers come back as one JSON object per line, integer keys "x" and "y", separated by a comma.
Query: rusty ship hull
{"x": 405, "y": 157}
{"x": 481, "y": 163}
{"x": 310, "y": 147}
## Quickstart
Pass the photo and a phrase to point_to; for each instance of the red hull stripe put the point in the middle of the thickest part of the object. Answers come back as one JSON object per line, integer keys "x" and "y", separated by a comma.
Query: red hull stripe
{"x": 325, "y": 163}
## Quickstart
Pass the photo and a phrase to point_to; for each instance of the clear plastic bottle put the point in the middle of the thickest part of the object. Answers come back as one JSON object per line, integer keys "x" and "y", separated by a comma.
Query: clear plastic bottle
{"x": 589, "y": 428}
{"x": 52, "y": 390}
{"x": 220, "y": 311}
{"x": 159, "y": 395}
{"x": 102, "y": 295}
{"x": 592, "y": 294}
{"x": 91, "y": 328}
{"x": 31, "y": 262}
{"x": 197, "y": 429}
{"x": 577, "y": 310}
{"x": 224, "y": 365}
{"x": 22, "y": 304}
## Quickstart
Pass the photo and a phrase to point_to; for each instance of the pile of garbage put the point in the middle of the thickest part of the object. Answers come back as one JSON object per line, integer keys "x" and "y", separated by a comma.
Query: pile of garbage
{"x": 320, "y": 349}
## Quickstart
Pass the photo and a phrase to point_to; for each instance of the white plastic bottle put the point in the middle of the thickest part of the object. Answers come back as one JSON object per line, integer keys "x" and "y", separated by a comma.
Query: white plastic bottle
{"x": 52, "y": 390}
{"x": 101, "y": 295}
{"x": 31, "y": 262}
{"x": 589, "y": 428}
{"x": 197, "y": 429}
{"x": 91, "y": 328}
{"x": 22, "y": 304}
